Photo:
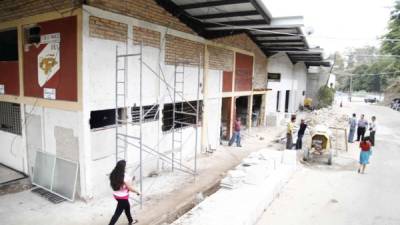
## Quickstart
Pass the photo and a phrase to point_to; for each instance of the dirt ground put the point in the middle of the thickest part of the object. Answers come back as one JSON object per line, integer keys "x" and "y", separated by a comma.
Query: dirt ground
{"x": 164, "y": 195}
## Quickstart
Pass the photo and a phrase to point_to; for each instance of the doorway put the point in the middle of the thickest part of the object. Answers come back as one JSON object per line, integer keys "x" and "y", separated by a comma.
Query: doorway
{"x": 226, "y": 119}
{"x": 256, "y": 111}
{"x": 242, "y": 105}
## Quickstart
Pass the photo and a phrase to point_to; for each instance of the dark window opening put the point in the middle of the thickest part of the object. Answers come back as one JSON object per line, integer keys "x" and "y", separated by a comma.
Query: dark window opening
{"x": 10, "y": 117}
{"x": 287, "y": 98}
{"x": 278, "y": 95}
{"x": 274, "y": 77}
{"x": 122, "y": 115}
{"x": 102, "y": 118}
{"x": 304, "y": 93}
{"x": 184, "y": 114}
{"x": 9, "y": 45}
{"x": 150, "y": 113}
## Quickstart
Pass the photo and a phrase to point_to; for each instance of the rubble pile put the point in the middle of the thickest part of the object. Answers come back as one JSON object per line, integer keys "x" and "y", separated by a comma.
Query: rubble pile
{"x": 328, "y": 117}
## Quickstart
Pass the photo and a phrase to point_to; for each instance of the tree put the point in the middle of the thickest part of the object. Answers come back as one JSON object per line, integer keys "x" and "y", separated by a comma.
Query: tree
{"x": 325, "y": 96}
{"x": 390, "y": 45}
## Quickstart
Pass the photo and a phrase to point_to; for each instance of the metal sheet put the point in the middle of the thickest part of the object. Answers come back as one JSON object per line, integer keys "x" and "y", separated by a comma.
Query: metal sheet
{"x": 43, "y": 171}
{"x": 55, "y": 175}
{"x": 65, "y": 173}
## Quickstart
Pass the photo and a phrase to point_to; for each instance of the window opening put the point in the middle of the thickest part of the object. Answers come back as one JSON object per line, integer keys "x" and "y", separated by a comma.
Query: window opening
{"x": 10, "y": 117}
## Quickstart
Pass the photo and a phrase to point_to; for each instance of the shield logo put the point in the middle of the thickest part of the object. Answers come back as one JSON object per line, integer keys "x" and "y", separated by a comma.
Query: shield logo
{"x": 48, "y": 62}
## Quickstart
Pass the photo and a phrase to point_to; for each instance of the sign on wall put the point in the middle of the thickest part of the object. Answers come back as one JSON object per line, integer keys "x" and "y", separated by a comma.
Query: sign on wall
{"x": 50, "y": 66}
{"x": 2, "y": 91}
{"x": 48, "y": 58}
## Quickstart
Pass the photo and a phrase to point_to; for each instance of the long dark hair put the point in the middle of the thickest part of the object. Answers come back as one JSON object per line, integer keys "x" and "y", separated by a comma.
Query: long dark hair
{"x": 117, "y": 175}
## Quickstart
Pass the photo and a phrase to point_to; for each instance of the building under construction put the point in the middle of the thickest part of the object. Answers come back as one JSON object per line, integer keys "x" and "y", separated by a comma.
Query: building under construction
{"x": 154, "y": 82}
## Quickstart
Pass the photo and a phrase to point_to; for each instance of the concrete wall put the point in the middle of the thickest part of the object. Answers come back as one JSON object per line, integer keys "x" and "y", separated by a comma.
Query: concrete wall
{"x": 99, "y": 93}
{"x": 316, "y": 78}
{"x": 12, "y": 151}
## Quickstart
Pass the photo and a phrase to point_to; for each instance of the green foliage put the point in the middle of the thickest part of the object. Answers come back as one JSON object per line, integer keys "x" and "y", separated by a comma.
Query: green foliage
{"x": 391, "y": 46}
{"x": 325, "y": 96}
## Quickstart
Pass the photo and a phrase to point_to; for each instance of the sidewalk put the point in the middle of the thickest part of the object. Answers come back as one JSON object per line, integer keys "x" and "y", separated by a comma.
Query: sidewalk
{"x": 165, "y": 197}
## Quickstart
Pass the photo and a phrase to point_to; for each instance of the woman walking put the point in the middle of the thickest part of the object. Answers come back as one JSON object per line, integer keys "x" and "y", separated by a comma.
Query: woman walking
{"x": 121, "y": 189}
{"x": 365, "y": 153}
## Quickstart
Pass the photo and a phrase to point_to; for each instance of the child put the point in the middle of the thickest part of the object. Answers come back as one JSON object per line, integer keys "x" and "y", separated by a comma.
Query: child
{"x": 365, "y": 153}
{"x": 121, "y": 189}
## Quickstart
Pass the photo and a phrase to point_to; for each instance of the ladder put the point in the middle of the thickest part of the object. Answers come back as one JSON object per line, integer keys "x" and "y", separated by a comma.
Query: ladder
{"x": 121, "y": 111}
{"x": 177, "y": 134}
{"x": 121, "y": 78}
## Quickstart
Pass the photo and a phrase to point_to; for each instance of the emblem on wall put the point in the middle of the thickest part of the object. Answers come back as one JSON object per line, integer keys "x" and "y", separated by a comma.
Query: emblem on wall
{"x": 48, "y": 58}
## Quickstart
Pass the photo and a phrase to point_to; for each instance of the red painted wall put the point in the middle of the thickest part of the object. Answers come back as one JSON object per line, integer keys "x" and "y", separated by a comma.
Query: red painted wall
{"x": 227, "y": 81}
{"x": 243, "y": 72}
{"x": 9, "y": 77}
{"x": 65, "y": 80}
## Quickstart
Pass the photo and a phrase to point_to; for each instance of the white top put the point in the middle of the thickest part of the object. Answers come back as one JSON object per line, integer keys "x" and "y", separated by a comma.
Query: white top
{"x": 372, "y": 126}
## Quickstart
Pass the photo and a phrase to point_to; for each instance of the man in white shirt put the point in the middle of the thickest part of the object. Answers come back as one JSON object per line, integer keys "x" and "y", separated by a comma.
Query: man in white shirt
{"x": 372, "y": 130}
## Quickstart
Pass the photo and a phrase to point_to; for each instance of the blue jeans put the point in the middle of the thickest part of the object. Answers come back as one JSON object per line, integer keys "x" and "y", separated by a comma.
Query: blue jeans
{"x": 351, "y": 135}
{"x": 235, "y": 136}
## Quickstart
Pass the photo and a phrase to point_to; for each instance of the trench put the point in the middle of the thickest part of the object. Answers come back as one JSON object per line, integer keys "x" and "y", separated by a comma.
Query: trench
{"x": 189, "y": 205}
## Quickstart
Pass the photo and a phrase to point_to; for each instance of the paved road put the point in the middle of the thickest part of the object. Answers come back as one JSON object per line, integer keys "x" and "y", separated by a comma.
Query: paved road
{"x": 330, "y": 195}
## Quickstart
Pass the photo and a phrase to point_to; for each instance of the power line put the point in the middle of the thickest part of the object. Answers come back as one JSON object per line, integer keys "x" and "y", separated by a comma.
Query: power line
{"x": 372, "y": 74}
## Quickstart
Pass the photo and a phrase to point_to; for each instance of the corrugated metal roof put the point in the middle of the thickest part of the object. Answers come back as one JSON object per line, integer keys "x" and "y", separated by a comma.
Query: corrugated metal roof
{"x": 219, "y": 18}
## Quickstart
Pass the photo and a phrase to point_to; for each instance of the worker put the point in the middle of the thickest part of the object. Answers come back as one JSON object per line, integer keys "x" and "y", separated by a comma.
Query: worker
{"x": 352, "y": 130}
{"x": 361, "y": 127}
{"x": 300, "y": 134}
{"x": 236, "y": 133}
{"x": 372, "y": 130}
{"x": 289, "y": 132}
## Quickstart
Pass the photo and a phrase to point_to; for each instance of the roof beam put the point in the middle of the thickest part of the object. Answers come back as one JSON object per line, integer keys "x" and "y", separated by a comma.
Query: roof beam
{"x": 211, "y": 4}
{"x": 279, "y": 38}
{"x": 184, "y": 17}
{"x": 283, "y": 49}
{"x": 260, "y": 9}
{"x": 282, "y": 43}
{"x": 279, "y": 41}
{"x": 228, "y": 14}
{"x": 235, "y": 23}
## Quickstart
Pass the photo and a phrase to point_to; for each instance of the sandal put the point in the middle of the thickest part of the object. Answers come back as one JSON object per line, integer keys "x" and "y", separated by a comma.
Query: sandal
{"x": 133, "y": 222}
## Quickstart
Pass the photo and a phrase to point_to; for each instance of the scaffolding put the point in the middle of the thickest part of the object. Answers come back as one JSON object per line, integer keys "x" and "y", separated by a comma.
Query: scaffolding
{"x": 123, "y": 139}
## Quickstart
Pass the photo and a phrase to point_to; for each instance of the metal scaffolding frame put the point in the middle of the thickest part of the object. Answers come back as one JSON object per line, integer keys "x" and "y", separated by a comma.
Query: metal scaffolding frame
{"x": 123, "y": 140}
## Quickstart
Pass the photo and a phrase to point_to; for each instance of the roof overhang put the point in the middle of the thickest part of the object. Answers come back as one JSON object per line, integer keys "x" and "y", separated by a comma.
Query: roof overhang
{"x": 218, "y": 18}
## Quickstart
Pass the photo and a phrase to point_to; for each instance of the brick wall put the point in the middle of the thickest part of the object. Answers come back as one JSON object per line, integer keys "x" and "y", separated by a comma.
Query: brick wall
{"x": 15, "y": 9}
{"x": 182, "y": 50}
{"x": 220, "y": 59}
{"x": 148, "y": 37}
{"x": 147, "y": 10}
{"x": 243, "y": 41}
{"x": 107, "y": 29}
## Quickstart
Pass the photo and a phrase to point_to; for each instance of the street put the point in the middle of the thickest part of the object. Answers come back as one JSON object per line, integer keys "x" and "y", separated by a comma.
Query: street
{"x": 330, "y": 195}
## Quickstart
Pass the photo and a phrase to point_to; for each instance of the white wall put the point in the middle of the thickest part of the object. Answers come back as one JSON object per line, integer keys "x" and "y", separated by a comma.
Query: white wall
{"x": 12, "y": 151}
{"x": 99, "y": 93}
{"x": 293, "y": 78}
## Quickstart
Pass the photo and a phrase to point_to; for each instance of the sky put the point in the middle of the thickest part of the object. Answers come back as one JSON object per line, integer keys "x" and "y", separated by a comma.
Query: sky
{"x": 338, "y": 24}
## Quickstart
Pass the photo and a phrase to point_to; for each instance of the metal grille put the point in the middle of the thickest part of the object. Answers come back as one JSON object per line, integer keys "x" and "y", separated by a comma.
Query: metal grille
{"x": 10, "y": 117}
{"x": 48, "y": 195}
{"x": 150, "y": 113}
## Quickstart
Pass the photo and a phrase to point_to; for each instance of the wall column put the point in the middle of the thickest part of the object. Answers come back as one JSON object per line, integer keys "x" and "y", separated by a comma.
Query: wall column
{"x": 249, "y": 111}
{"x": 204, "y": 122}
